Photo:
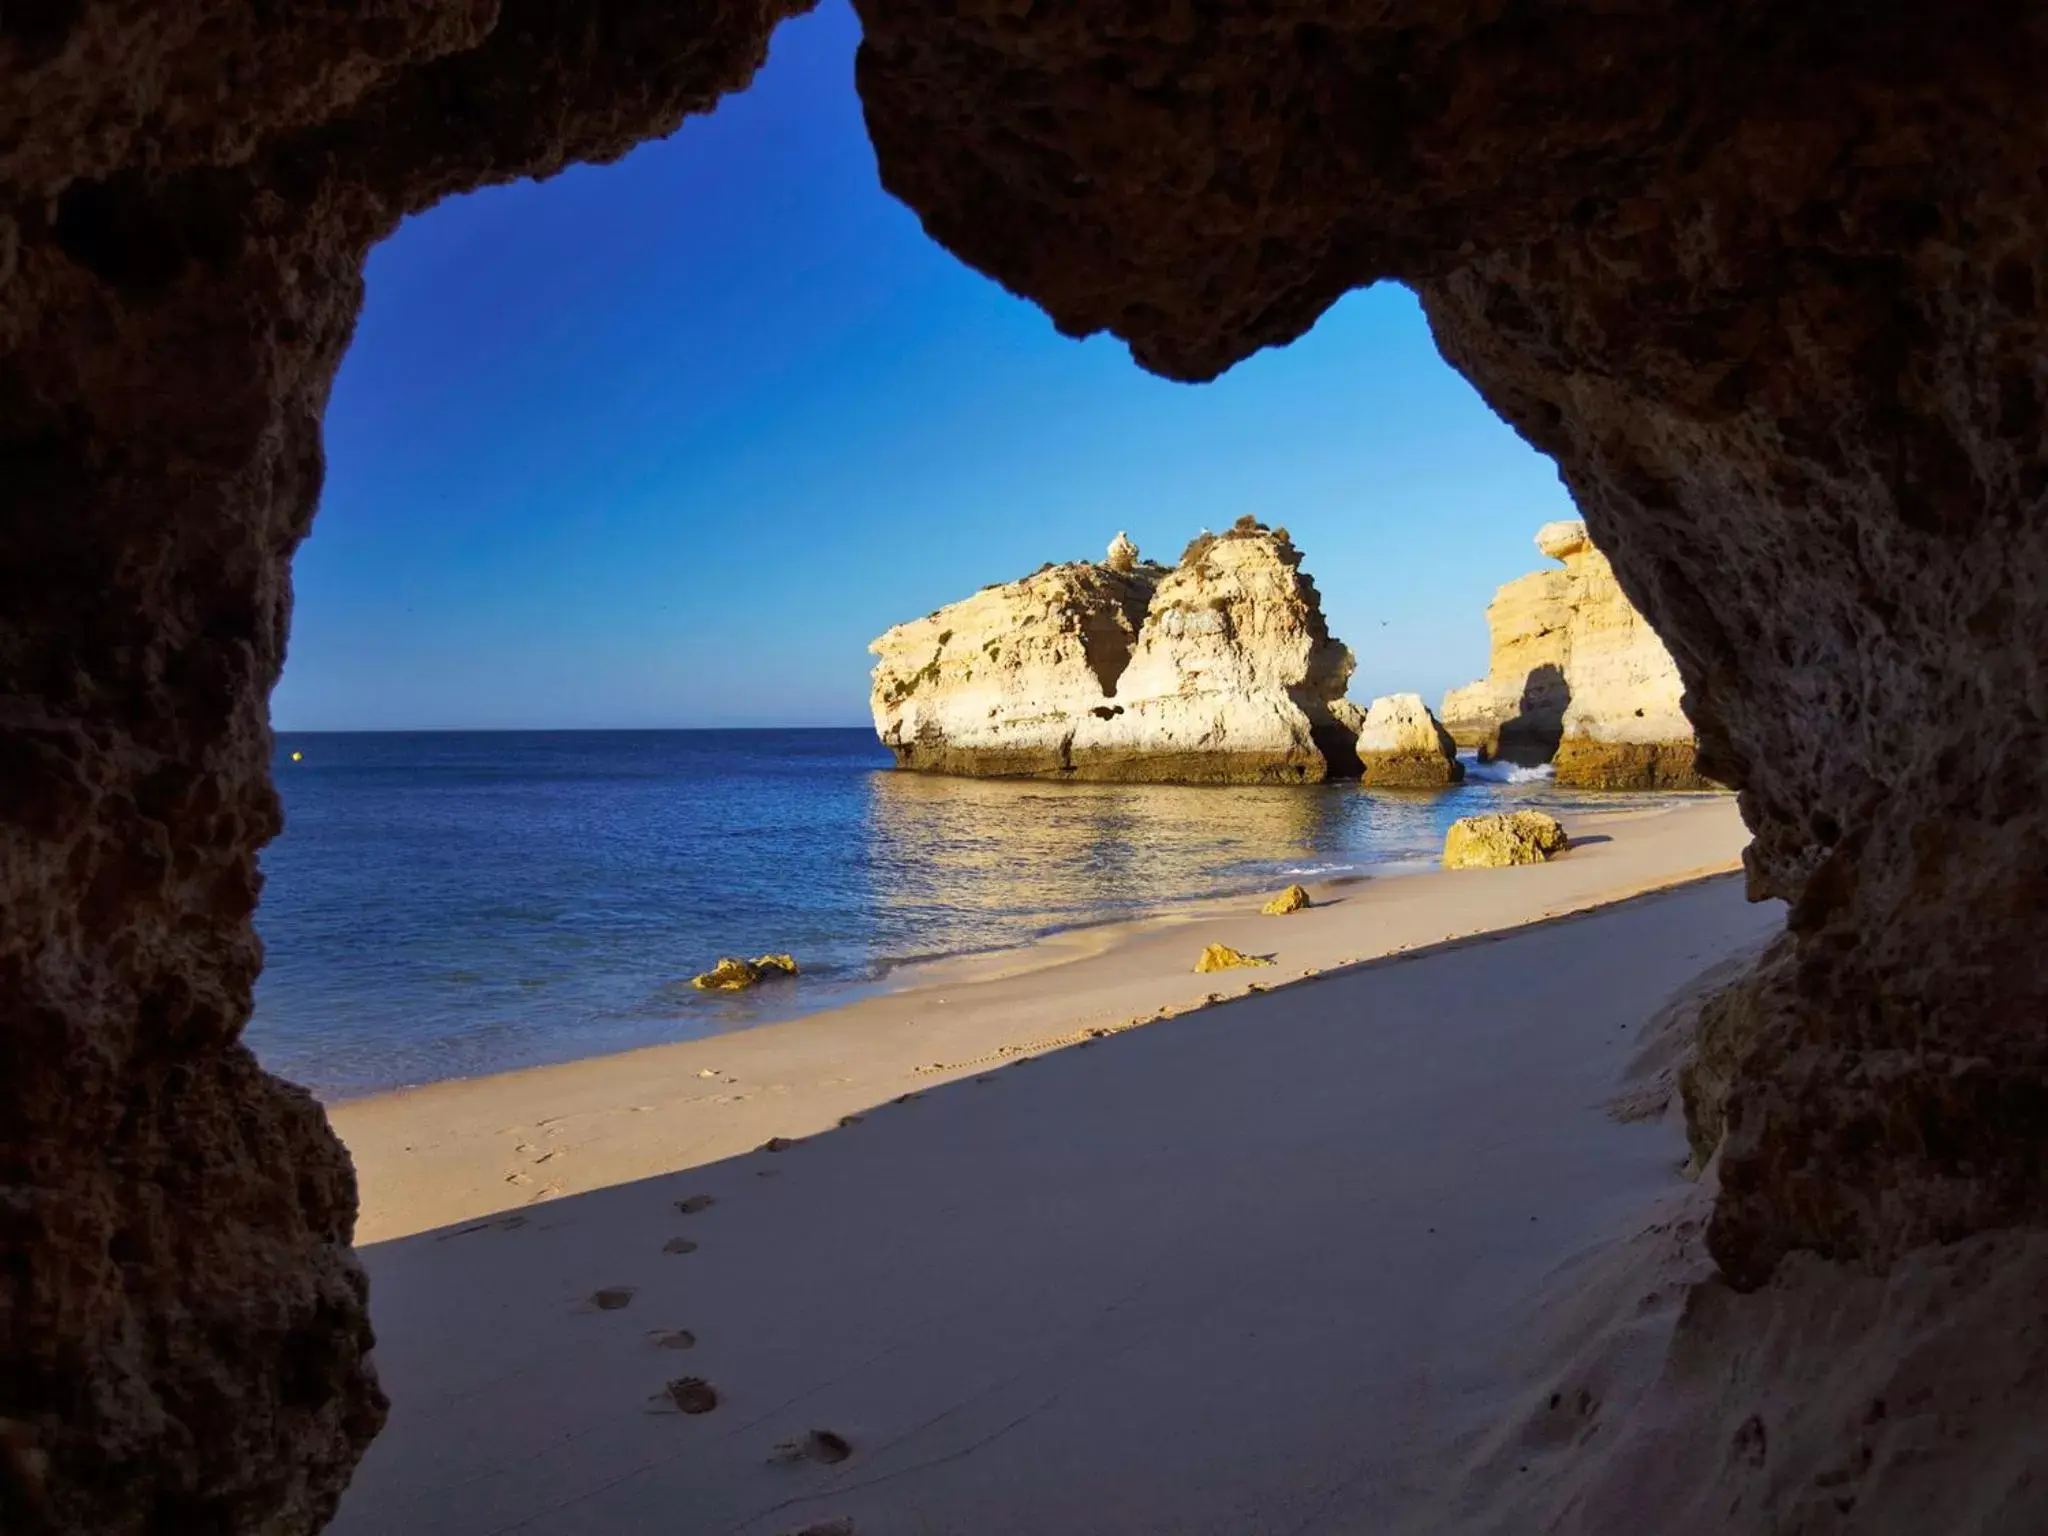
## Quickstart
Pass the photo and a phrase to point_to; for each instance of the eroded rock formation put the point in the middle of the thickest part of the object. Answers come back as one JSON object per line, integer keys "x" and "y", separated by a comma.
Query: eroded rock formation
{"x": 1219, "y": 670}
{"x": 1401, "y": 745}
{"x": 1769, "y": 288}
{"x": 1577, "y": 677}
{"x": 187, "y": 194}
{"x": 1767, "y": 283}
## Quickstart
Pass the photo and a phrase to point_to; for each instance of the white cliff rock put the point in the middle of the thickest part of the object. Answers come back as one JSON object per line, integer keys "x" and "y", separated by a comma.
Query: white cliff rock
{"x": 1577, "y": 677}
{"x": 1220, "y": 670}
{"x": 1402, "y": 746}
{"x": 1123, "y": 554}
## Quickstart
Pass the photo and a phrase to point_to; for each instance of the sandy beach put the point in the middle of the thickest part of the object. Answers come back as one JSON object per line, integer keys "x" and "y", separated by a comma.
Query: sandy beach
{"x": 454, "y": 1151}
{"x": 1247, "y": 1269}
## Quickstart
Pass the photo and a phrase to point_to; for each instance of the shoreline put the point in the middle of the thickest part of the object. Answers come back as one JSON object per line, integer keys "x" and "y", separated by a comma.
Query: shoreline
{"x": 460, "y": 1149}
{"x": 1279, "y": 1265}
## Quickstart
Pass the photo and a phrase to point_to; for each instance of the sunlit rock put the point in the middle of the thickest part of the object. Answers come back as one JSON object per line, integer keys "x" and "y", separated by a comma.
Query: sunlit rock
{"x": 1401, "y": 746}
{"x": 1220, "y": 670}
{"x": 1498, "y": 841}
{"x": 1221, "y": 957}
{"x": 1577, "y": 677}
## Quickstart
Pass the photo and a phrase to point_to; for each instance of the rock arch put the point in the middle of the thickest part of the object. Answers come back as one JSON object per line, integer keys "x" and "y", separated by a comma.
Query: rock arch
{"x": 1766, "y": 281}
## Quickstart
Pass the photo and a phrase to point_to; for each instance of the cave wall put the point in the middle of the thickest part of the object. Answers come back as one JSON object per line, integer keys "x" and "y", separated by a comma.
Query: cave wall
{"x": 186, "y": 198}
{"x": 1767, "y": 281}
{"x": 1764, "y": 278}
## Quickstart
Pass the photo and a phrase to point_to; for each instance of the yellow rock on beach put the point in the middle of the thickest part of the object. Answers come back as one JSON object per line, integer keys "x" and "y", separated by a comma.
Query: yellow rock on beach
{"x": 1293, "y": 899}
{"x": 733, "y": 974}
{"x": 1221, "y": 957}
{"x": 1493, "y": 842}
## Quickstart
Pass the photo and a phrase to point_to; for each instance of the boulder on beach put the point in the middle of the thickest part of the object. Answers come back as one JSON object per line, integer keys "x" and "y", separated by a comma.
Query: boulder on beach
{"x": 1497, "y": 841}
{"x": 1293, "y": 899}
{"x": 733, "y": 974}
{"x": 1221, "y": 957}
{"x": 1401, "y": 745}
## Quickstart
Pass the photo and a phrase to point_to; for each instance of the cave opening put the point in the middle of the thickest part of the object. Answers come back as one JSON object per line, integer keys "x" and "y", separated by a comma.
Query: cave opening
{"x": 1787, "y": 356}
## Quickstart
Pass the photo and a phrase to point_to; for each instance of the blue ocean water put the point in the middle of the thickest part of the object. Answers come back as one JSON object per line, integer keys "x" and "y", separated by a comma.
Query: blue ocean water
{"x": 447, "y": 904}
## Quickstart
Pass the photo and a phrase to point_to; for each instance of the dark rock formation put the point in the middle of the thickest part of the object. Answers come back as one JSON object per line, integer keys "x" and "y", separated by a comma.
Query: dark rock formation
{"x": 1767, "y": 281}
{"x": 186, "y": 197}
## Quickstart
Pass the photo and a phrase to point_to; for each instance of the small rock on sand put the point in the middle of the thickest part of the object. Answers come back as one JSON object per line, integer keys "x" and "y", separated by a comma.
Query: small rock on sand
{"x": 1293, "y": 899}
{"x": 1221, "y": 957}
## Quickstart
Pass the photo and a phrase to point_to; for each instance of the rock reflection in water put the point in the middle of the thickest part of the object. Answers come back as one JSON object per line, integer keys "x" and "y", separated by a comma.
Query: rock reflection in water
{"x": 979, "y": 862}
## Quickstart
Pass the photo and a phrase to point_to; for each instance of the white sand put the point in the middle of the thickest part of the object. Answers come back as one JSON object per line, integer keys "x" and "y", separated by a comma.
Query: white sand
{"x": 1254, "y": 1269}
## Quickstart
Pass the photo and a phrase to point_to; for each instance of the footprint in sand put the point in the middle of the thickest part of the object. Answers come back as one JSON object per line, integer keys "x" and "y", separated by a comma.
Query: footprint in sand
{"x": 846, "y": 1120}
{"x": 672, "y": 1338}
{"x": 827, "y": 1528}
{"x": 516, "y": 1177}
{"x": 767, "y": 1173}
{"x": 777, "y": 1144}
{"x": 612, "y": 1298}
{"x": 689, "y": 1394}
{"x": 679, "y": 1245}
{"x": 548, "y": 1157}
{"x": 695, "y": 1203}
{"x": 820, "y": 1445}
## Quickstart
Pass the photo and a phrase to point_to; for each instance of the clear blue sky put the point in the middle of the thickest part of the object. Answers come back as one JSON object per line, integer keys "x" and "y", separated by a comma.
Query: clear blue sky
{"x": 665, "y": 443}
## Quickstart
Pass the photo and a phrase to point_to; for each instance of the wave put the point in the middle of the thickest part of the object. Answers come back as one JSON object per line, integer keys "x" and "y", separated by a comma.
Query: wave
{"x": 1504, "y": 773}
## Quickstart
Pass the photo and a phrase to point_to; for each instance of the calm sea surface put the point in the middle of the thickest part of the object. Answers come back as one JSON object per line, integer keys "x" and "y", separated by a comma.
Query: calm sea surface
{"x": 443, "y": 905}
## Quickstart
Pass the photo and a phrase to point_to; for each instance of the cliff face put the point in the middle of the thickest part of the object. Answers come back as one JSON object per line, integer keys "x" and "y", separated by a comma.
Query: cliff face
{"x": 1220, "y": 670}
{"x": 1578, "y": 677}
{"x": 996, "y": 683}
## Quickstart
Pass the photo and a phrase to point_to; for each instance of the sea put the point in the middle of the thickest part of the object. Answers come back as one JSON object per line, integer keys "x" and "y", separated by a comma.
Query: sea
{"x": 449, "y": 904}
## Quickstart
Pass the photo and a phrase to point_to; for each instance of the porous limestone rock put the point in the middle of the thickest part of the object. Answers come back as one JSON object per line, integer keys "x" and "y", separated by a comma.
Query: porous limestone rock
{"x": 1221, "y": 957}
{"x": 1220, "y": 670}
{"x": 1288, "y": 902}
{"x": 733, "y": 974}
{"x": 1123, "y": 554}
{"x": 1773, "y": 299}
{"x": 1499, "y": 840}
{"x": 1578, "y": 678}
{"x": 1401, "y": 746}
{"x": 997, "y": 683}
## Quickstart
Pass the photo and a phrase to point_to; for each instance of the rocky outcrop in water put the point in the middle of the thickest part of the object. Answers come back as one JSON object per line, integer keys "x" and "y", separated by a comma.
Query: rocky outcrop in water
{"x": 1219, "y": 670}
{"x": 1401, "y": 746}
{"x": 1577, "y": 677}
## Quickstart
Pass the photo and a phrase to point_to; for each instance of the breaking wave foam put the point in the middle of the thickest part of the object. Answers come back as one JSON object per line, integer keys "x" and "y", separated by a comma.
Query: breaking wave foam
{"x": 1504, "y": 773}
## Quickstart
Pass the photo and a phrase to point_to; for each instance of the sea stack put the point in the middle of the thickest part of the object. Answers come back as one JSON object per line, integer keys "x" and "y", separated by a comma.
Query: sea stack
{"x": 1577, "y": 678}
{"x": 1217, "y": 670}
{"x": 1401, "y": 745}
